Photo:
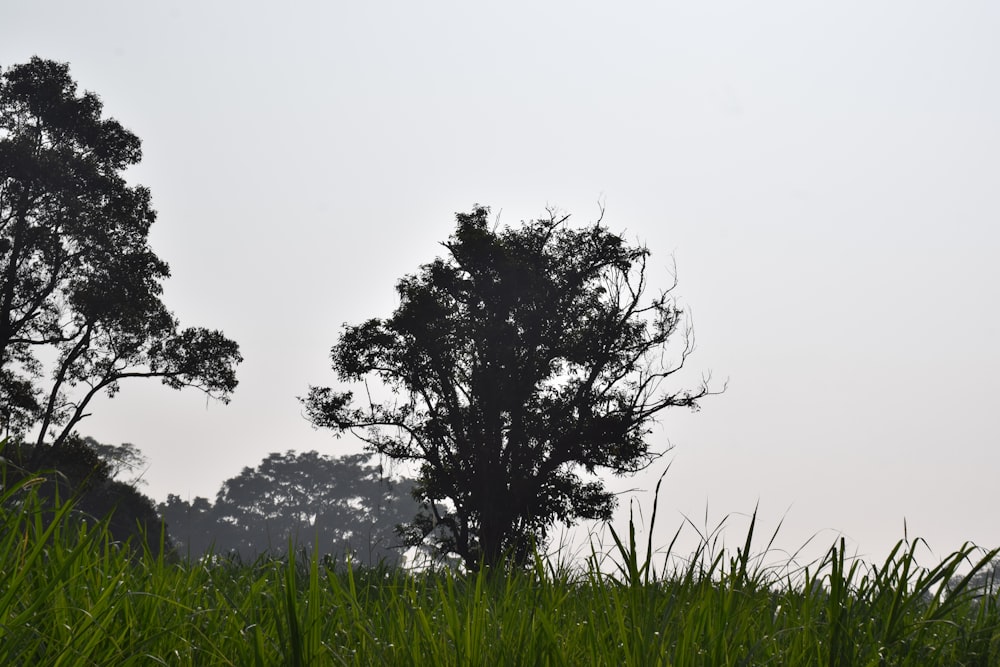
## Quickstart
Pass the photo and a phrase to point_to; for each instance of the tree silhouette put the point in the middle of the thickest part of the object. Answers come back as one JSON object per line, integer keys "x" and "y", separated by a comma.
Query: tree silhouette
{"x": 120, "y": 459}
{"x": 526, "y": 357}
{"x": 192, "y": 526}
{"x": 339, "y": 505}
{"x": 80, "y": 471}
{"x": 79, "y": 284}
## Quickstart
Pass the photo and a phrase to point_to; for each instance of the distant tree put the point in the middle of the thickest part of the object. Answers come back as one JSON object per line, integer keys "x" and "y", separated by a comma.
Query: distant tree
{"x": 120, "y": 459}
{"x": 80, "y": 288}
{"x": 192, "y": 525}
{"x": 338, "y": 505}
{"x": 79, "y": 472}
{"x": 986, "y": 581}
{"x": 523, "y": 359}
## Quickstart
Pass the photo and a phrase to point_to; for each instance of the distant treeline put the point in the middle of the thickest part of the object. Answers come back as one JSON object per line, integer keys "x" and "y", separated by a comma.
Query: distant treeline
{"x": 338, "y": 506}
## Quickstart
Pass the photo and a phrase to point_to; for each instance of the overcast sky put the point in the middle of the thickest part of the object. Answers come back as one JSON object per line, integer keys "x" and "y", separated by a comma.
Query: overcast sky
{"x": 826, "y": 177}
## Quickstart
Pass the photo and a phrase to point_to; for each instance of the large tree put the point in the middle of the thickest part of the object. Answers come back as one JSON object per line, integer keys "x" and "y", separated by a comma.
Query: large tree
{"x": 521, "y": 364}
{"x": 339, "y": 505}
{"x": 80, "y": 288}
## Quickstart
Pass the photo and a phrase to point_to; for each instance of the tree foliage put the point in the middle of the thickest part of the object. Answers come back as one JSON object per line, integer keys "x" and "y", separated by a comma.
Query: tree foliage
{"x": 123, "y": 458}
{"x": 84, "y": 471}
{"x": 79, "y": 283}
{"x": 339, "y": 505}
{"x": 521, "y": 364}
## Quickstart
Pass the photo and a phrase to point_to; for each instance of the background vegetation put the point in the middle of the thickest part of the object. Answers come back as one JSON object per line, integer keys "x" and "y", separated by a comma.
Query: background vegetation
{"x": 71, "y": 594}
{"x": 335, "y": 505}
{"x": 522, "y": 364}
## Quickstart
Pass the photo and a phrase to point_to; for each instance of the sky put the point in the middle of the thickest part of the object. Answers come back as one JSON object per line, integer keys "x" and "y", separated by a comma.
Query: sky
{"x": 823, "y": 176}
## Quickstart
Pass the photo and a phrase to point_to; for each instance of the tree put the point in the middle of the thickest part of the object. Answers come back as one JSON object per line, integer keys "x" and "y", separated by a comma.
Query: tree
{"x": 525, "y": 358}
{"x": 79, "y": 285}
{"x": 122, "y": 458}
{"x": 339, "y": 505}
{"x": 80, "y": 471}
{"x": 192, "y": 526}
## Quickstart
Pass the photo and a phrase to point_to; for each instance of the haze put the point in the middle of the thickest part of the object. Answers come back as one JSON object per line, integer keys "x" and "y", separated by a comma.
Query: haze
{"x": 824, "y": 177}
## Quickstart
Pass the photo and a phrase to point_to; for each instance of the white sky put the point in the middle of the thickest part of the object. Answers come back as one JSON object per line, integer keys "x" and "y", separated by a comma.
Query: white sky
{"x": 825, "y": 176}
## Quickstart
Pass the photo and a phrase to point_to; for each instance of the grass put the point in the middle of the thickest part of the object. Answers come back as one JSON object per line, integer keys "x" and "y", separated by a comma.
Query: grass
{"x": 69, "y": 595}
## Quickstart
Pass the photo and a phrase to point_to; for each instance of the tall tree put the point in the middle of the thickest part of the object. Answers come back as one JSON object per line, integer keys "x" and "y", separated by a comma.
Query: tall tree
{"x": 79, "y": 285}
{"x": 524, "y": 359}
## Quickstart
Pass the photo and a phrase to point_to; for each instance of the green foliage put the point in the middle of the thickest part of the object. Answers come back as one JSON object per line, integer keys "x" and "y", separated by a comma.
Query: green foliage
{"x": 73, "y": 595}
{"x": 83, "y": 472}
{"x": 79, "y": 285}
{"x": 521, "y": 364}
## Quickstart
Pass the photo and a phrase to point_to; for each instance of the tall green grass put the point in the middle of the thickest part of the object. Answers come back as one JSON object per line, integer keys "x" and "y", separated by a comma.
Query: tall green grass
{"x": 69, "y": 595}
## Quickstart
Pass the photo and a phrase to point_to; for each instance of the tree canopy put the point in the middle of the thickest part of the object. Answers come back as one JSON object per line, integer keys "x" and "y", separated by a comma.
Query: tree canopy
{"x": 338, "y": 505}
{"x": 521, "y": 364}
{"x": 85, "y": 471}
{"x": 80, "y": 288}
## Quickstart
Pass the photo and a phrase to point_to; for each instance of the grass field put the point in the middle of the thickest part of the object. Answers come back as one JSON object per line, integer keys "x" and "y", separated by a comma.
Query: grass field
{"x": 70, "y": 596}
